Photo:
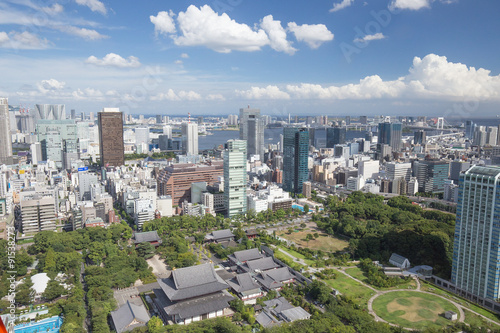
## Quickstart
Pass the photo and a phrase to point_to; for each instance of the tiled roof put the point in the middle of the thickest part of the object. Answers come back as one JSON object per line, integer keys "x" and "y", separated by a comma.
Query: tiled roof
{"x": 126, "y": 314}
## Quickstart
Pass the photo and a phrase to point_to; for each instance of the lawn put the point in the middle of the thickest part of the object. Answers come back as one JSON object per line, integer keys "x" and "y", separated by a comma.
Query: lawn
{"x": 412, "y": 309}
{"x": 357, "y": 273}
{"x": 434, "y": 289}
{"x": 351, "y": 288}
{"x": 474, "y": 320}
{"x": 324, "y": 242}
{"x": 297, "y": 255}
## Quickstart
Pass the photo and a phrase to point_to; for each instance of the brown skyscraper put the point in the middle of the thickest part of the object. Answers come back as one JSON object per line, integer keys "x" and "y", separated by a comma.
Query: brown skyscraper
{"x": 111, "y": 137}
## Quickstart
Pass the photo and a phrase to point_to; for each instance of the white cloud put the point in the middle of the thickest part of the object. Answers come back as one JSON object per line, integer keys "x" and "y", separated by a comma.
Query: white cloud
{"x": 269, "y": 92}
{"x": 114, "y": 60}
{"x": 432, "y": 77}
{"x": 88, "y": 34}
{"x": 204, "y": 27}
{"x": 341, "y": 5}
{"x": 163, "y": 22}
{"x": 178, "y": 62}
{"x": 369, "y": 38}
{"x": 54, "y": 9}
{"x": 215, "y": 97}
{"x": 415, "y": 4}
{"x": 88, "y": 93}
{"x": 182, "y": 95}
{"x": 277, "y": 35}
{"x": 184, "y": 55}
{"x": 94, "y": 5}
{"x": 51, "y": 85}
{"x": 314, "y": 35}
{"x": 22, "y": 40}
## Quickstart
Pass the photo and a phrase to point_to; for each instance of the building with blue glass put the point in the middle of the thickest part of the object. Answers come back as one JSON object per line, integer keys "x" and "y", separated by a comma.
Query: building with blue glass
{"x": 295, "y": 158}
{"x": 476, "y": 248}
{"x": 335, "y": 136}
{"x": 390, "y": 134}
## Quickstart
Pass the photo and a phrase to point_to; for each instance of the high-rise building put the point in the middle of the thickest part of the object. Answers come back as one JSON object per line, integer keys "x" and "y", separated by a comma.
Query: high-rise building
{"x": 476, "y": 251}
{"x": 469, "y": 129}
{"x": 363, "y": 120}
{"x": 457, "y": 167}
{"x": 335, "y": 136}
{"x": 73, "y": 114}
{"x": 252, "y": 130}
{"x": 190, "y": 138}
{"x": 49, "y": 111}
{"x": 368, "y": 168}
{"x": 492, "y": 136}
{"x": 348, "y": 120}
{"x": 295, "y": 158}
{"x": 5, "y": 137}
{"x": 38, "y": 214}
{"x": 159, "y": 119}
{"x": 59, "y": 139}
{"x": 111, "y": 145}
{"x": 167, "y": 130}
{"x": 419, "y": 137}
{"x": 390, "y": 134}
{"x": 141, "y": 135}
{"x": 235, "y": 177}
{"x": 395, "y": 170}
{"x": 431, "y": 175}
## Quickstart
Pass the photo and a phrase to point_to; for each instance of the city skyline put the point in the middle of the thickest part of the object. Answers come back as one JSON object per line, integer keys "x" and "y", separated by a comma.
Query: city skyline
{"x": 391, "y": 57}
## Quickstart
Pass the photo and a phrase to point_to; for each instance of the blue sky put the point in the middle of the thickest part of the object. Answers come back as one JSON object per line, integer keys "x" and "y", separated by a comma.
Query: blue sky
{"x": 342, "y": 57}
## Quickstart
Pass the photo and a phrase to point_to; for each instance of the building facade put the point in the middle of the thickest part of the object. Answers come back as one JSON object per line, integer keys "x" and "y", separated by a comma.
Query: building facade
{"x": 189, "y": 138}
{"x": 390, "y": 134}
{"x": 252, "y": 130}
{"x": 476, "y": 250}
{"x": 295, "y": 159}
{"x": 235, "y": 177}
{"x": 335, "y": 136}
{"x": 5, "y": 137}
{"x": 111, "y": 146}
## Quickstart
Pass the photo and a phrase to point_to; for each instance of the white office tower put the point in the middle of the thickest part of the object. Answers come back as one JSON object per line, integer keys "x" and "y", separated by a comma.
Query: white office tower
{"x": 141, "y": 135}
{"x": 36, "y": 152}
{"x": 355, "y": 183}
{"x": 395, "y": 170}
{"x": 491, "y": 137}
{"x": 235, "y": 177}
{"x": 167, "y": 130}
{"x": 475, "y": 269}
{"x": 5, "y": 137}
{"x": 190, "y": 138}
{"x": 3, "y": 184}
{"x": 50, "y": 111}
{"x": 232, "y": 120}
{"x": 368, "y": 168}
{"x": 252, "y": 130}
{"x": 38, "y": 214}
{"x": 164, "y": 205}
{"x": 412, "y": 187}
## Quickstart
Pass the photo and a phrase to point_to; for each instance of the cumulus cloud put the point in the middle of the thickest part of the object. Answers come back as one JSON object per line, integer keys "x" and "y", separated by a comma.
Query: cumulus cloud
{"x": 431, "y": 77}
{"x": 22, "y": 41}
{"x": 341, "y": 5}
{"x": 87, "y": 93}
{"x": 164, "y": 23}
{"x": 277, "y": 35}
{"x": 88, "y": 34}
{"x": 269, "y": 92}
{"x": 94, "y": 5}
{"x": 369, "y": 38}
{"x": 204, "y": 27}
{"x": 215, "y": 97}
{"x": 184, "y": 55}
{"x": 415, "y": 4}
{"x": 114, "y": 60}
{"x": 312, "y": 34}
{"x": 182, "y": 95}
{"x": 50, "y": 85}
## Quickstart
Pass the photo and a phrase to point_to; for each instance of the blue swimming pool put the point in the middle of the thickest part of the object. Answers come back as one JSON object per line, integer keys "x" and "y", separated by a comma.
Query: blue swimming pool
{"x": 49, "y": 325}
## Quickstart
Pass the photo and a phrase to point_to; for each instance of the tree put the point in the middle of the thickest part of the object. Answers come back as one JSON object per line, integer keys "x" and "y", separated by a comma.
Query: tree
{"x": 145, "y": 250}
{"x": 308, "y": 238}
{"x": 53, "y": 290}
{"x": 154, "y": 325}
{"x": 306, "y": 208}
{"x": 50, "y": 261}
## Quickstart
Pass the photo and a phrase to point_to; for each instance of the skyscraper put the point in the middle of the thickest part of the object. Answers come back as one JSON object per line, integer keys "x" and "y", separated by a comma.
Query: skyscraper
{"x": 419, "y": 137}
{"x": 295, "y": 159}
{"x": 390, "y": 133}
{"x": 235, "y": 177}
{"x": 252, "y": 130}
{"x": 50, "y": 111}
{"x": 335, "y": 136}
{"x": 111, "y": 137}
{"x": 5, "y": 137}
{"x": 190, "y": 138}
{"x": 476, "y": 251}
{"x": 431, "y": 175}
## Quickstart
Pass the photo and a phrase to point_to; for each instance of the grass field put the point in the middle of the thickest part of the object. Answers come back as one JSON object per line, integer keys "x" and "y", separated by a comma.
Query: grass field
{"x": 429, "y": 287}
{"x": 357, "y": 273}
{"x": 474, "y": 320}
{"x": 323, "y": 242}
{"x": 297, "y": 255}
{"x": 413, "y": 309}
{"x": 351, "y": 288}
